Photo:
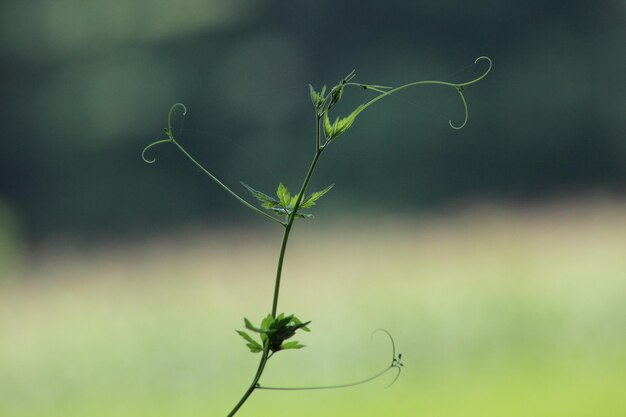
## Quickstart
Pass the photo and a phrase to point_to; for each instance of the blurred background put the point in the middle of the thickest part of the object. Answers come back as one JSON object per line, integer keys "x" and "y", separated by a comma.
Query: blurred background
{"x": 495, "y": 254}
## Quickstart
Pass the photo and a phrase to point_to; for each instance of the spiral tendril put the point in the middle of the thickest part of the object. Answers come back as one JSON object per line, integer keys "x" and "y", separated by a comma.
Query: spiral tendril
{"x": 484, "y": 74}
{"x": 459, "y": 87}
{"x": 153, "y": 144}
{"x": 169, "y": 114}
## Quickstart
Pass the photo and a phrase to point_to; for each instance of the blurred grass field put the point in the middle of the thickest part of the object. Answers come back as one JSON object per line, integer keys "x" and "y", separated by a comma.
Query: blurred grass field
{"x": 496, "y": 312}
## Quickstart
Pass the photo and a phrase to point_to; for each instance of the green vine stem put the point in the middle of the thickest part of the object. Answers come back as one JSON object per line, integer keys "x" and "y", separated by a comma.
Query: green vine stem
{"x": 323, "y": 103}
{"x": 459, "y": 87}
{"x": 279, "y": 269}
{"x": 171, "y": 139}
{"x": 396, "y": 363}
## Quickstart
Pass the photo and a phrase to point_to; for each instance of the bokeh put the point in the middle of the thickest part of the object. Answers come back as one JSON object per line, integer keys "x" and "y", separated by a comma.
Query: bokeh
{"x": 496, "y": 254}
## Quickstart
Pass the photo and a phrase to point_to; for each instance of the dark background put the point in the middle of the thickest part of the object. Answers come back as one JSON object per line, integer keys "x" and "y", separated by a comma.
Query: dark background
{"x": 86, "y": 85}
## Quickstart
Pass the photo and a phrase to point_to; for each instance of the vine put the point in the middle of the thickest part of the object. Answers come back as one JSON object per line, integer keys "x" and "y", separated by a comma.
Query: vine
{"x": 275, "y": 329}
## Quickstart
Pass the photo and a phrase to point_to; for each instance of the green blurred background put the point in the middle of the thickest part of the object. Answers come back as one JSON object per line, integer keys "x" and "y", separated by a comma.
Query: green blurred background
{"x": 495, "y": 254}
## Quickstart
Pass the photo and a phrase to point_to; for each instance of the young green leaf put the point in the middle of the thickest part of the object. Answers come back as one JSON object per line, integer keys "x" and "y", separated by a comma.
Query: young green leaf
{"x": 291, "y": 345}
{"x": 328, "y": 128}
{"x": 314, "y": 95}
{"x": 266, "y": 326}
{"x": 337, "y": 91}
{"x": 267, "y": 201}
{"x": 252, "y": 344}
{"x": 294, "y": 198}
{"x": 251, "y": 327}
{"x": 246, "y": 336}
{"x": 317, "y": 99}
{"x": 297, "y": 321}
{"x": 341, "y": 125}
{"x": 283, "y": 195}
{"x": 310, "y": 201}
{"x": 254, "y": 347}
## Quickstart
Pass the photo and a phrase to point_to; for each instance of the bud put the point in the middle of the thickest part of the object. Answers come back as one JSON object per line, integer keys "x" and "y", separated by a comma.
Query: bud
{"x": 337, "y": 91}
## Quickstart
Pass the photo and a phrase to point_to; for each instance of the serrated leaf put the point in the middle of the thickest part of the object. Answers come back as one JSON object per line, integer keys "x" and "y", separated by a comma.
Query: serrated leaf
{"x": 252, "y": 344}
{"x": 251, "y": 327}
{"x": 270, "y": 204}
{"x": 254, "y": 348}
{"x": 266, "y": 327}
{"x": 328, "y": 129}
{"x": 267, "y": 201}
{"x": 246, "y": 336}
{"x": 341, "y": 124}
{"x": 283, "y": 195}
{"x": 291, "y": 345}
{"x": 303, "y": 326}
{"x": 294, "y": 198}
{"x": 317, "y": 99}
{"x": 310, "y": 201}
{"x": 314, "y": 95}
{"x": 281, "y": 321}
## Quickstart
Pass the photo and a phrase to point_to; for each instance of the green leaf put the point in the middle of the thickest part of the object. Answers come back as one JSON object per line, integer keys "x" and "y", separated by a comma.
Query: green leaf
{"x": 310, "y": 201}
{"x": 266, "y": 326}
{"x": 291, "y": 345}
{"x": 283, "y": 195}
{"x": 314, "y": 95}
{"x": 317, "y": 99}
{"x": 341, "y": 125}
{"x": 251, "y": 327}
{"x": 327, "y": 126}
{"x": 281, "y": 321}
{"x": 267, "y": 322}
{"x": 246, "y": 336}
{"x": 297, "y": 322}
{"x": 337, "y": 91}
{"x": 323, "y": 92}
{"x": 267, "y": 201}
{"x": 254, "y": 348}
{"x": 294, "y": 198}
{"x": 252, "y": 344}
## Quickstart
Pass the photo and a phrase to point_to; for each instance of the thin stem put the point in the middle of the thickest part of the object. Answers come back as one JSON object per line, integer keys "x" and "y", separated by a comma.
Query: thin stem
{"x": 395, "y": 363}
{"x": 317, "y": 131}
{"x": 291, "y": 218}
{"x": 255, "y": 382}
{"x": 457, "y": 86}
{"x": 222, "y": 185}
{"x": 170, "y": 139}
{"x": 279, "y": 269}
{"x": 320, "y": 387}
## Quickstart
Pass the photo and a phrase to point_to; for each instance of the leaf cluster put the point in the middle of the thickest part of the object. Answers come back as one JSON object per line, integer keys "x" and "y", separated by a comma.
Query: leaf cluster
{"x": 341, "y": 124}
{"x": 284, "y": 202}
{"x": 273, "y": 333}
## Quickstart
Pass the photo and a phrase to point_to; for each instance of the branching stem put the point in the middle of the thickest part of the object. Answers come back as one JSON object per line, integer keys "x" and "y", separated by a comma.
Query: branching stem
{"x": 323, "y": 104}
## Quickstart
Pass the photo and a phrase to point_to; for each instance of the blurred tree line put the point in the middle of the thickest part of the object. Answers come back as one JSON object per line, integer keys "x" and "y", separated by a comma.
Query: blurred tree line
{"x": 86, "y": 85}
